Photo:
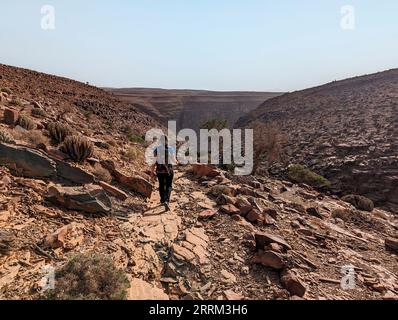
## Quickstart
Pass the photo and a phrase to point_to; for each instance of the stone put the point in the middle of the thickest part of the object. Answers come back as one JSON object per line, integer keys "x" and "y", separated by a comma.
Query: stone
{"x": 224, "y": 199}
{"x": 312, "y": 211}
{"x": 219, "y": 190}
{"x": 293, "y": 284}
{"x": 6, "y": 241}
{"x": 265, "y": 238}
{"x": 392, "y": 244}
{"x": 270, "y": 259}
{"x": 228, "y": 277}
{"x": 27, "y": 162}
{"x": 73, "y": 174}
{"x": 229, "y": 209}
{"x": 88, "y": 198}
{"x": 37, "y": 105}
{"x": 182, "y": 253}
{"x": 57, "y": 239}
{"x": 233, "y": 296}
{"x": 204, "y": 170}
{"x": 271, "y": 212}
{"x": 10, "y": 116}
{"x": 254, "y": 216}
{"x": 142, "y": 290}
{"x": 135, "y": 183}
{"x": 207, "y": 214}
{"x": 113, "y": 191}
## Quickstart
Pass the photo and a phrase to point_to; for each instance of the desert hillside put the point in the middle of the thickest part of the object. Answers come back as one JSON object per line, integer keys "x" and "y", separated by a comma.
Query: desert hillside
{"x": 345, "y": 130}
{"x": 76, "y": 197}
{"x": 192, "y": 108}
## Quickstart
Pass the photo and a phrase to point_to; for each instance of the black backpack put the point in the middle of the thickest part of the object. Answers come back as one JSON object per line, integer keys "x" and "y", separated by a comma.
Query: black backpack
{"x": 166, "y": 167}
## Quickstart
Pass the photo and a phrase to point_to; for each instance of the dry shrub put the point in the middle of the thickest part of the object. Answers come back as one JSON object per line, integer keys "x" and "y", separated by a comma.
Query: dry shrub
{"x": 6, "y": 137}
{"x": 26, "y": 122}
{"x": 89, "y": 277}
{"x": 359, "y": 202}
{"x": 78, "y": 148}
{"x": 58, "y": 131}
{"x": 36, "y": 138}
{"x": 39, "y": 113}
{"x": 267, "y": 145}
{"x": 101, "y": 173}
{"x": 6, "y": 90}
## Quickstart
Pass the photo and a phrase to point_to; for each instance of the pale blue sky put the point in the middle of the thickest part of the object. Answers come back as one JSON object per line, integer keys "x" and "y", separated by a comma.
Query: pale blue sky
{"x": 202, "y": 44}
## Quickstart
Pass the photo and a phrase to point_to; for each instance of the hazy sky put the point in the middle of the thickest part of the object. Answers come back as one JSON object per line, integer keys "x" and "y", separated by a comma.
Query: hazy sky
{"x": 201, "y": 44}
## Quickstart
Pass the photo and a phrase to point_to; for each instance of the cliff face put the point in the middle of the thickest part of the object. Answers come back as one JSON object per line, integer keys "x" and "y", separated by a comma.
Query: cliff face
{"x": 191, "y": 108}
{"x": 345, "y": 130}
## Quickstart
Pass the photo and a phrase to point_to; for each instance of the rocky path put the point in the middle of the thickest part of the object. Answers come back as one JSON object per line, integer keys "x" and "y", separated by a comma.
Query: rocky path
{"x": 207, "y": 252}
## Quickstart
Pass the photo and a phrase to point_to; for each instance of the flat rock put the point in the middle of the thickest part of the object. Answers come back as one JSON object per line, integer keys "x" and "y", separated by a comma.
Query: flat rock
{"x": 265, "y": 238}
{"x": 142, "y": 290}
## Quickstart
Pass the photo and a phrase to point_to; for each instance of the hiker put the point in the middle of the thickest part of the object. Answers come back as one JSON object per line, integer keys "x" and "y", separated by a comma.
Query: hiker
{"x": 165, "y": 156}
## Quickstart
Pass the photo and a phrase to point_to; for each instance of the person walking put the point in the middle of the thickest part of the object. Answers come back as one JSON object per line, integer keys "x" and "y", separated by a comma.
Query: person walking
{"x": 165, "y": 156}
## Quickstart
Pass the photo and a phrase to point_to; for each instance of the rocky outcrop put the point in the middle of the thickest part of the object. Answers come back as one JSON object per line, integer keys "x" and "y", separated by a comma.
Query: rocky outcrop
{"x": 32, "y": 163}
{"x": 89, "y": 198}
{"x": 27, "y": 162}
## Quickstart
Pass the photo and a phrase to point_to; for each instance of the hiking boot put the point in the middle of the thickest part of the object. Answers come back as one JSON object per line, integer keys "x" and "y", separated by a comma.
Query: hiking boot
{"x": 166, "y": 205}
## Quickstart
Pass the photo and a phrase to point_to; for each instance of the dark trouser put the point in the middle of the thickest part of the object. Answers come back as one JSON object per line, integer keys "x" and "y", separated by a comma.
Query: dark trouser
{"x": 165, "y": 186}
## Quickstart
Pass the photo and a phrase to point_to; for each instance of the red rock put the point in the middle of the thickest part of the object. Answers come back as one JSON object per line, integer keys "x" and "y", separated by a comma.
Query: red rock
{"x": 233, "y": 296}
{"x": 117, "y": 193}
{"x": 229, "y": 209}
{"x": 293, "y": 284}
{"x": 271, "y": 212}
{"x": 57, "y": 239}
{"x": 265, "y": 238}
{"x": 204, "y": 170}
{"x": 270, "y": 259}
{"x": 135, "y": 183}
{"x": 254, "y": 216}
{"x": 10, "y": 116}
{"x": 207, "y": 214}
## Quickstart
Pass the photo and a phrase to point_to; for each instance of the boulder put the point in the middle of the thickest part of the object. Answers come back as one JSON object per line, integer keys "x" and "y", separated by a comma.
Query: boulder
{"x": 229, "y": 209}
{"x": 265, "y": 238}
{"x": 135, "y": 183}
{"x": 142, "y": 290}
{"x": 10, "y": 116}
{"x": 204, "y": 170}
{"x": 89, "y": 198}
{"x": 207, "y": 214}
{"x": 293, "y": 284}
{"x": 219, "y": 190}
{"x": 27, "y": 162}
{"x": 73, "y": 174}
{"x": 254, "y": 216}
{"x": 270, "y": 259}
{"x": 112, "y": 190}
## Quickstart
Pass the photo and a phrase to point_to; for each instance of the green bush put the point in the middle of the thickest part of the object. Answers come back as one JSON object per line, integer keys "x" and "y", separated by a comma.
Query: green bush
{"x": 26, "y": 122}
{"x": 78, "y": 148}
{"x": 359, "y": 202}
{"x": 301, "y": 174}
{"x": 89, "y": 277}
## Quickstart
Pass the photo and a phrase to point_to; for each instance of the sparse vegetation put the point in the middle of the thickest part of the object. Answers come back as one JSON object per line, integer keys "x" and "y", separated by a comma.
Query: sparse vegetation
{"x": 15, "y": 102}
{"x": 359, "y": 202}
{"x": 6, "y": 137}
{"x": 40, "y": 113}
{"x": 66, "y": 110}
{"x": 301, "y": 174}
{"x": 36, "y": 138}
{"x": 267, "y": 144}
{"x": 6, "y": 90}
{"x": 101, "y": 173}
{"x": 26, "y": 122}
{"x": 58, "y": 131}
{"x": 89, "y": 277}
{"x": 78, "y": 148}
{"x": 215, "y": 123}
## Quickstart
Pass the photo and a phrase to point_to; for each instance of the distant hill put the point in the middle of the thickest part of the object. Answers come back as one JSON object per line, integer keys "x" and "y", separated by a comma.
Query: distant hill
{"x": 346, "y": 130}
{"x": 191, "y": 108}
